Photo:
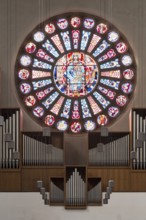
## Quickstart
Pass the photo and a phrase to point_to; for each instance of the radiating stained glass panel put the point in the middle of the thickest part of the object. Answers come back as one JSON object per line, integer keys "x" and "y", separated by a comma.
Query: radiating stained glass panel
{"x": 40, "y": 74}
{"x": 85, "y": 109}
{"x": 25, "y": 60}
{"x": 66, "y": 39}
{"x": 30, "y": 100}
{"x": 75, "y": 111}
{"x": 75, "y": 127}
{"x": 110, "y": 64}
{"x": 41, "y": 65}
{"x": 43, "y": 55}
{"x": 41, "y": 83}
{"x": 49, "y": 120}
{"x": 38, "y": 111}
{"x": 23, "y": 74}
{"x": 110, "y": 83}
{"x": 58, "y": 43}
{"x": 89, "y": 23}
{"x": 75, "y": 22}
{"x": 75, "y": 38}
{"x": 112, "y": 74}
{"x": 103, "y": 46}
{"x": 40, "y": 95}
{"x": 49, "y": 47}
{"x": 89, "y": 125}
{"x": 113, "y": 36}
{"x": 101, "y": 100}
{"x": 50, "y": 100}
{"x": 126, "y": 87}
{"x": 85, "y": 38}
{"x": 110, "y": 54}
{"x": 94, "y": 106}
{"x": 62, "y": 125}
{"x": 57, "y": 106}
{"x": 113, "y": 111}
{"x": 62, "y": 23}
{"x": 39, "y": 36}
{"x": 102, "y": 28}
{"x": 128, "y": 74}
{"x": 94, "y": 41}
{"x": 121, "y": 47}
{"x": 121, "y": 100}
{"x": 25, "y": 88}
{"x": 30, "y": 47}
{"x": 102, "y": 120}
{"x": 50, "y": 28}
{"x": 110, "y": 94}
{"x": 66, "y": 109}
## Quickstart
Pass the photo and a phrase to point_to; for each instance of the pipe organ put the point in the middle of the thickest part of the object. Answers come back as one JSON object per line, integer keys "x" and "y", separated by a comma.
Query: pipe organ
{"x": 38, "y": 150}
{"x": 115, "y": 150}
{"x": 79, "y": 180}
{"x": 138, "y": 144}
{"x": 9, "y": 138}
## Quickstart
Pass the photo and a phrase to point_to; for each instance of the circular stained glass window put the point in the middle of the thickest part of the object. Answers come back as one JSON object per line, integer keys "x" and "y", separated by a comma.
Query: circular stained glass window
{"x": 75, "y": 72}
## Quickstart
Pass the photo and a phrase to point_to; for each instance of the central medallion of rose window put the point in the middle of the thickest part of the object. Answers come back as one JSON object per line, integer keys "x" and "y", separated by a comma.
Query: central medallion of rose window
{"x": 76, "y": 74}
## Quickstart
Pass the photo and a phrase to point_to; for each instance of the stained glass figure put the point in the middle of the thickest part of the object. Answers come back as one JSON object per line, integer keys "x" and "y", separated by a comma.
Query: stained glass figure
{"x": 25, "y": 88}
{"x": 50, "y": 28}
{"x": 30, "y": 100}
{"x": 49, "y": 120}
{"x": 102, "y": 28}
{"x": 76, "y": 112}
{"x": 89, "y": 125}
{"x": 103, "y": 46}
{"x": 25, "y": 60}
{"x": 75, "y": 127}
{"x": 128, "y": 74}
{"x": 62, "y": 125}
{"x": 110, "y": 54}
{"x": 30, "y": 47}
{"x": 66, "y": 109}
{"x": 113, "y": 36}
{"x": 41, "y": 83}
{"x": 43, "y": 55}
{"x": 85, "y": 38}
{"x": 113, "y": 111}
{"x": 75, "y": 22}
{"x": 39, "y": 36}
{"x": 47, "y": 103}
{"x": 41, "y": 65}
{"x": 121, "y": 100}
{"x": 89, "y": 23}
{"x": 49, "y": 47}
{"x": 75, "y": 72}
{"x": 41, "y": 94}
{"x": 23, "y": 74}
{"x": 66, "y": 40}
{"x": 102, "y": 120}
{"x": 126, "y": 60}
{"x": 62, "y": 23}
{"x": 127, "y": 87}
{"x": 38, "y": 111}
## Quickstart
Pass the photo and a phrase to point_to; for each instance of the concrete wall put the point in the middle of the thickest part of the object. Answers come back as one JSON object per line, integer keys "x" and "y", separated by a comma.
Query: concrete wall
{"x": 29, "y": 206}
{"x": 19, "y": 17}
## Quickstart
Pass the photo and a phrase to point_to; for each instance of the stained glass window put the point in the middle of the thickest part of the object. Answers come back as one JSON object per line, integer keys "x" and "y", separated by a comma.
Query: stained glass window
{"x": 75, "y": 72}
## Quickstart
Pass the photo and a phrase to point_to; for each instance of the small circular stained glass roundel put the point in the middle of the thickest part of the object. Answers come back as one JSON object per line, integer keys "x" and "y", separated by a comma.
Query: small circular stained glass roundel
{"x": 75, "y": 72}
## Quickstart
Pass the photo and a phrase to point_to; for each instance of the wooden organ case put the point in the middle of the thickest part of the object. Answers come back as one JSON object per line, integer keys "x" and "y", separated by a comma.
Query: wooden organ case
{"x": 75, "y": 169}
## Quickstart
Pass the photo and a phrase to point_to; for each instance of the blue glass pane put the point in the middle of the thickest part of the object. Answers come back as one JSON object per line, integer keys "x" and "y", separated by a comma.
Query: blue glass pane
{"x": 41, "y": 83}
{"x": 85, "y": 38}
{"x": 111, "y": 64}
{"x": 110, "y": 83}
{"x": 66, "y": 109}
{"x": 49, "y": 47}
{"x": 66, "y": 40}
{"x": 103, "y": 46}
{"x": 101, "y": 99}
{"x": 85, "y": 109}
{"x": 50, "y": 100}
